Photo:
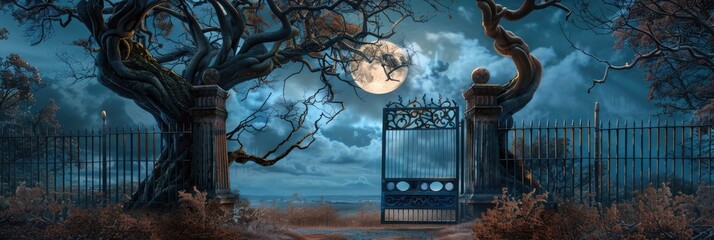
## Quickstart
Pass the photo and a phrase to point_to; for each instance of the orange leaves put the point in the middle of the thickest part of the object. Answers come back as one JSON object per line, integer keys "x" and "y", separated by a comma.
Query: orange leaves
{"x": 97, "y": 223}
{"x": 320, "y": 215}
{"x": 32, "y": 214}
{"x": 255, "y": 20}
{"x": 658, "y": 214}
{"x": 331, "y": 23}
{"x": 672, "y": 42}
{"x": 19, "y": 79}
{"x": 513, "y": 218}
{"x": 196, "y": 218}
{"x": 652, "y": 214}
{"x": 163, "y": 24}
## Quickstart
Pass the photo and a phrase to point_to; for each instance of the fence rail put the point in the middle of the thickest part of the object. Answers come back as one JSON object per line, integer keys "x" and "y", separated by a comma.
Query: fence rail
{"x": 87, "y": 167}
{"x": 608, "y": 161}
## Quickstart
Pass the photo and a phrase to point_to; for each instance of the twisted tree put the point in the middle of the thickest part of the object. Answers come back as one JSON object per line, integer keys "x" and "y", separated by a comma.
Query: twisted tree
{"x": 517, "y": 92}
{"x": 135, "y": 47}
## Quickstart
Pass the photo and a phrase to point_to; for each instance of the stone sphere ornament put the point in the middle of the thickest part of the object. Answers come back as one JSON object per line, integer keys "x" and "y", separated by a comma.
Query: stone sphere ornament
{"x": 480, "y": 75}
{"x": 210, "y": 76}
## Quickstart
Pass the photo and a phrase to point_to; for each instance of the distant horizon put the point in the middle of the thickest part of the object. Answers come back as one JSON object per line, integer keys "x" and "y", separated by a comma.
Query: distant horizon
{"x": 302, "y": 196}
{"x": 346, "y": 156}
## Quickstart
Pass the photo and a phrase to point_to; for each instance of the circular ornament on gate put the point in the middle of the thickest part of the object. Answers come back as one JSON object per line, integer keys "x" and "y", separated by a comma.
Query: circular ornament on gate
{"x": 449, "y": 186}
{"x": 390, "y": 186}
{"x": 424, "y": 186}
{"x": 402, "y": 186}
{"x": 436, "y": 186}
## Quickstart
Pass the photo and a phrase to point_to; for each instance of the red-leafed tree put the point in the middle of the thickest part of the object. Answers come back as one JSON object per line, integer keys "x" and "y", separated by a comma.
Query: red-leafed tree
{"x": 136, "y": 45}
{"x": 19, "y": 115}
{"x": 672, "y": 41}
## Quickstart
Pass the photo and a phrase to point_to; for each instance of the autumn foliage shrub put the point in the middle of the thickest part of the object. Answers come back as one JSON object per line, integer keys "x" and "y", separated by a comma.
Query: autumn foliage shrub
{"x": 196, "y": 218}
{"x": 33, "y": 214}
{"x": 110, "y": 222}
{"x": 29, "y": 212}
{"x": 654, "y": 213}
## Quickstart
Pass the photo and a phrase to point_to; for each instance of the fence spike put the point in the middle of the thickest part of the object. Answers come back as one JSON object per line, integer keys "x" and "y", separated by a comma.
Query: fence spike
{"x": 523, "y": 125}
{"x": 531, "y": 123}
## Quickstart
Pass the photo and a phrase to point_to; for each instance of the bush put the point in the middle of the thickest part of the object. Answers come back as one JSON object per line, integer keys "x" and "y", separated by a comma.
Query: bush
{"x": 196, "y": 218}
{"x": 109, "y": 222}
{"x": 652, "y": 214}
{"x": 29, "y": 212}
{"x": 33, "y": 214}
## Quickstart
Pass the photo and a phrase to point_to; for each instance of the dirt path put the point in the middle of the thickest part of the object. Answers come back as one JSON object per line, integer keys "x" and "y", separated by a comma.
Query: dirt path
{"x": 369, "y": 234}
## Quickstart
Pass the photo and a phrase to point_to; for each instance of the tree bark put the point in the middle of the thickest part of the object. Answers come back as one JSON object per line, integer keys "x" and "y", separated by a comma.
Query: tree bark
{"x": 128, "y": 69}
{"x": 171, "y": 172}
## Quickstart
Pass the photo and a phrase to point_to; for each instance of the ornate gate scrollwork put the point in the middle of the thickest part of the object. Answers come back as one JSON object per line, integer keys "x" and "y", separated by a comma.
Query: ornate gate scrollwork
{"x": 421, "y": 152}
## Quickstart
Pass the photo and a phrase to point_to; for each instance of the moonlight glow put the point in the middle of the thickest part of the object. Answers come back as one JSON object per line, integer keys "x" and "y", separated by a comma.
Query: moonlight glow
{"x": 387, "y": 70}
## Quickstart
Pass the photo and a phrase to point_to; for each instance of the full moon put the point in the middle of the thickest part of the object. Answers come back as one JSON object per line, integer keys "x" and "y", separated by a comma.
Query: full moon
{"x": 388, "y": 59}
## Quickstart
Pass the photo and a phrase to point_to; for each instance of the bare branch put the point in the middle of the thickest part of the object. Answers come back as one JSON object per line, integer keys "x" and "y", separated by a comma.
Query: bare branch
{"x": 282, "y": 149}
{"x": 671, "y": 41}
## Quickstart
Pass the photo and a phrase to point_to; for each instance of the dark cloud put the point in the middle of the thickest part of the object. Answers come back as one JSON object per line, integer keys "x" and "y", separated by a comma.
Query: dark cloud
{"x": 439, "y": 66}
{"x": 350, "y": 134}
{"x": 291, "y": 168}
{"x": 346, "y": 157}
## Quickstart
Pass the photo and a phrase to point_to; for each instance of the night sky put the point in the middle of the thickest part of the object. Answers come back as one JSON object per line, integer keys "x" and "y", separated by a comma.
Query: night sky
{"x": 346, "y": 157}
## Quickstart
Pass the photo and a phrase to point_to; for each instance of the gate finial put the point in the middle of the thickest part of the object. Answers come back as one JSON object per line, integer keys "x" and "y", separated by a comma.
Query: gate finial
{"x": 480, "y": 75}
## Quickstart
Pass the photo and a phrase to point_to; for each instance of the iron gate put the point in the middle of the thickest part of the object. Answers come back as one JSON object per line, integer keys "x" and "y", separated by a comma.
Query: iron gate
{"x": 421, "y": 152}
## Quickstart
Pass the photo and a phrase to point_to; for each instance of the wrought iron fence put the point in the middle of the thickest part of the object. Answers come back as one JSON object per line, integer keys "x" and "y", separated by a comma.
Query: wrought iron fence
{"x": 609, "y": 160}
{"x": 86, "y": 167}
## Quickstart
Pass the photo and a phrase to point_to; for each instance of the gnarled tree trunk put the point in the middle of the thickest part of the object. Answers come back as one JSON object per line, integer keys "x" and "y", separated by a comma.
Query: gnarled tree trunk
{"x": 519, "y": 90}
{"x": 128, "y": 69}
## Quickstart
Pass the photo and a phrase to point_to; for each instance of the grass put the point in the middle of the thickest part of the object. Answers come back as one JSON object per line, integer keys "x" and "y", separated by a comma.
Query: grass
{"x": 654, "y": 213}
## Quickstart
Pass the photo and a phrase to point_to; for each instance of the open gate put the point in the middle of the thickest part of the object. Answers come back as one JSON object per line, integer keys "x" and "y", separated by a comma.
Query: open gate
{"x": 421, "y": 153}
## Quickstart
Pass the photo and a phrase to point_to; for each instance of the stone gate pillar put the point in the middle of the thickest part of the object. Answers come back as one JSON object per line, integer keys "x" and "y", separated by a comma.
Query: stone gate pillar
{"x": 209, "y": 164}
{"x": 481, "y": 172}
